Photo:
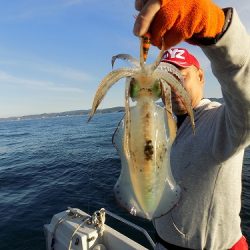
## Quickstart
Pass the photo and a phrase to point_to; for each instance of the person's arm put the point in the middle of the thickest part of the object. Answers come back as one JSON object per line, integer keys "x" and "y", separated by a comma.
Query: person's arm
{"x": 230, "y": 62}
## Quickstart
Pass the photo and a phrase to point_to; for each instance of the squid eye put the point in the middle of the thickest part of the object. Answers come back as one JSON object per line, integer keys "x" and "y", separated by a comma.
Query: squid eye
{"x": 134, "y": 88}
{"x": 157, "y": 89}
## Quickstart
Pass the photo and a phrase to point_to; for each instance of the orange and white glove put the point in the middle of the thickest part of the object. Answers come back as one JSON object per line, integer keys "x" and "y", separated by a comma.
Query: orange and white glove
{"x": 178, "y": 20}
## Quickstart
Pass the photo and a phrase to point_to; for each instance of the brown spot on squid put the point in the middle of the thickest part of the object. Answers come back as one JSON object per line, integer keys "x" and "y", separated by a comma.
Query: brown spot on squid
{"x": 148, "y": 150}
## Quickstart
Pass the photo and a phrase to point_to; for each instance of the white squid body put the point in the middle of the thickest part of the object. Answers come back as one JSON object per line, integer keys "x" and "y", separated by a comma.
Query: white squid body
{"x": 146, "y": 186}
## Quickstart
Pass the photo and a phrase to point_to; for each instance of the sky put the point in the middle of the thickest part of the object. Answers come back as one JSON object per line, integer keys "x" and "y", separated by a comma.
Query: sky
{"x": 54, "y": 53}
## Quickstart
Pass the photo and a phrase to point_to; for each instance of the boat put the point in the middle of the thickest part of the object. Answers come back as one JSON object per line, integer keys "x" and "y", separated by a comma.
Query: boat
{"x": 73, "y": 229}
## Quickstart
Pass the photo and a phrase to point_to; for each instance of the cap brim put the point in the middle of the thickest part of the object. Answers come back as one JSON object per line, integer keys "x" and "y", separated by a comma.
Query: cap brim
{"x": 179, "y": 64}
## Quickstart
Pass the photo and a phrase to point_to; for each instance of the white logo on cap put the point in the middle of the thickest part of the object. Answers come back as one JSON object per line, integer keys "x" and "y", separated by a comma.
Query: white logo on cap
{"x": 176, "y": 53}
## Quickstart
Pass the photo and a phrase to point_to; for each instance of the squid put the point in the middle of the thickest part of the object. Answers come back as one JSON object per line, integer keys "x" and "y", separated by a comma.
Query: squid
{"x": 146, "y": 186}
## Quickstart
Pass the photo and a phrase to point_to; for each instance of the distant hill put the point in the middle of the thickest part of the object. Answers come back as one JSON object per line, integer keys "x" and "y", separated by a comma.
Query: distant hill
{"x": 77, "y": 112}
{"x": 66, "y": 113}
{"x": 220, "y": 100}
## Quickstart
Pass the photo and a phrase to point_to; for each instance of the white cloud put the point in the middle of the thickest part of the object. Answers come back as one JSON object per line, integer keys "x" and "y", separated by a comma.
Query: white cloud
{"x": 64, "y": 73}
{"x": 68, "y": 73}
{"x": 6, "y": 78}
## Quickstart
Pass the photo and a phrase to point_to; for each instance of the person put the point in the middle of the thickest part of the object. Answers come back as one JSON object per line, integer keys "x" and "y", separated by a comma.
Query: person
{"x": 207, "y": 165}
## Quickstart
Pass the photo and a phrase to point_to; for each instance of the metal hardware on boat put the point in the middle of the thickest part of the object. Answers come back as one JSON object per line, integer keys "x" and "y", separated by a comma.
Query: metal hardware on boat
{"x": 90, "y": 239}
{"x": 133, "y": 211}
{"x": 73, "y": 213}
{"x": 52, "y": 243}
{"x": 77, "y": 241}
{"x": 98, "y": 220}
{"x": 142, "y": 230}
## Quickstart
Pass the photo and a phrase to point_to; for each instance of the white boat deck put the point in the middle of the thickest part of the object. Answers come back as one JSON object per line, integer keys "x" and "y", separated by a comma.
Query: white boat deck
{"x": 75, "y": 230}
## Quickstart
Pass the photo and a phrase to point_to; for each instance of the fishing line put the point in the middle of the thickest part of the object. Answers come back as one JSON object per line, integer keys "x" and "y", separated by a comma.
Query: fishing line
{"x": 91, "y": 180}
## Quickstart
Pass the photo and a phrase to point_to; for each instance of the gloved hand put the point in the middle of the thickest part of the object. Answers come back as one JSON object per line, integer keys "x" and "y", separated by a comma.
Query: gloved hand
{"x": 178, "y": 20}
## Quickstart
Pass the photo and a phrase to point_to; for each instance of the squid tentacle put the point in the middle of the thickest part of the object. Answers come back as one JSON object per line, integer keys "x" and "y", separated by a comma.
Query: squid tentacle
{"x": 125, "y": 57}
{"x": 127, "y": 134}
{"x": 159, "y": 57}
{"x": 176, "y": 86}
{"x": 157, "y": 61}
{"x": 127, "y": 124}
{"x": 170, "y": 68}
{"x": 166, "y": 98}
{"x": 107, "y": 83}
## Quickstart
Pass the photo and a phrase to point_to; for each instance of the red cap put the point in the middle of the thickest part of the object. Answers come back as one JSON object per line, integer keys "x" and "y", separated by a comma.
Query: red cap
{"x": 180, "y": 57}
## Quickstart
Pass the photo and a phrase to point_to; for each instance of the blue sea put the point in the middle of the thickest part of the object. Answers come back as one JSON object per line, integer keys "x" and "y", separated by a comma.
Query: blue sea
{"x": 47, "y": 165}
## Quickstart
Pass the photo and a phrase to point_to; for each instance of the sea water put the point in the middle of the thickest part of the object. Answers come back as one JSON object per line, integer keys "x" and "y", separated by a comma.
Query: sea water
{"x": 47, "y": 165}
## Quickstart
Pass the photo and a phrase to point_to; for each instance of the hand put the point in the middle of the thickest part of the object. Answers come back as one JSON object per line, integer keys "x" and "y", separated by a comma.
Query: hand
{"x": 178, "y": 20}
{"x": 147, "y": 9}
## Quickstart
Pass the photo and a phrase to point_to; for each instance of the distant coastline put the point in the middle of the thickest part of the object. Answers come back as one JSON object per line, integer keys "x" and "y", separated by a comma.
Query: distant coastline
{"x": 61, "y": 114}
{"x": 75, "y": 112}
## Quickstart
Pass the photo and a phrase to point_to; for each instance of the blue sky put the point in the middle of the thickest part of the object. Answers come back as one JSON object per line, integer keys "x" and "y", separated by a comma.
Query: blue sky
{"x": 53, "y": 53}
